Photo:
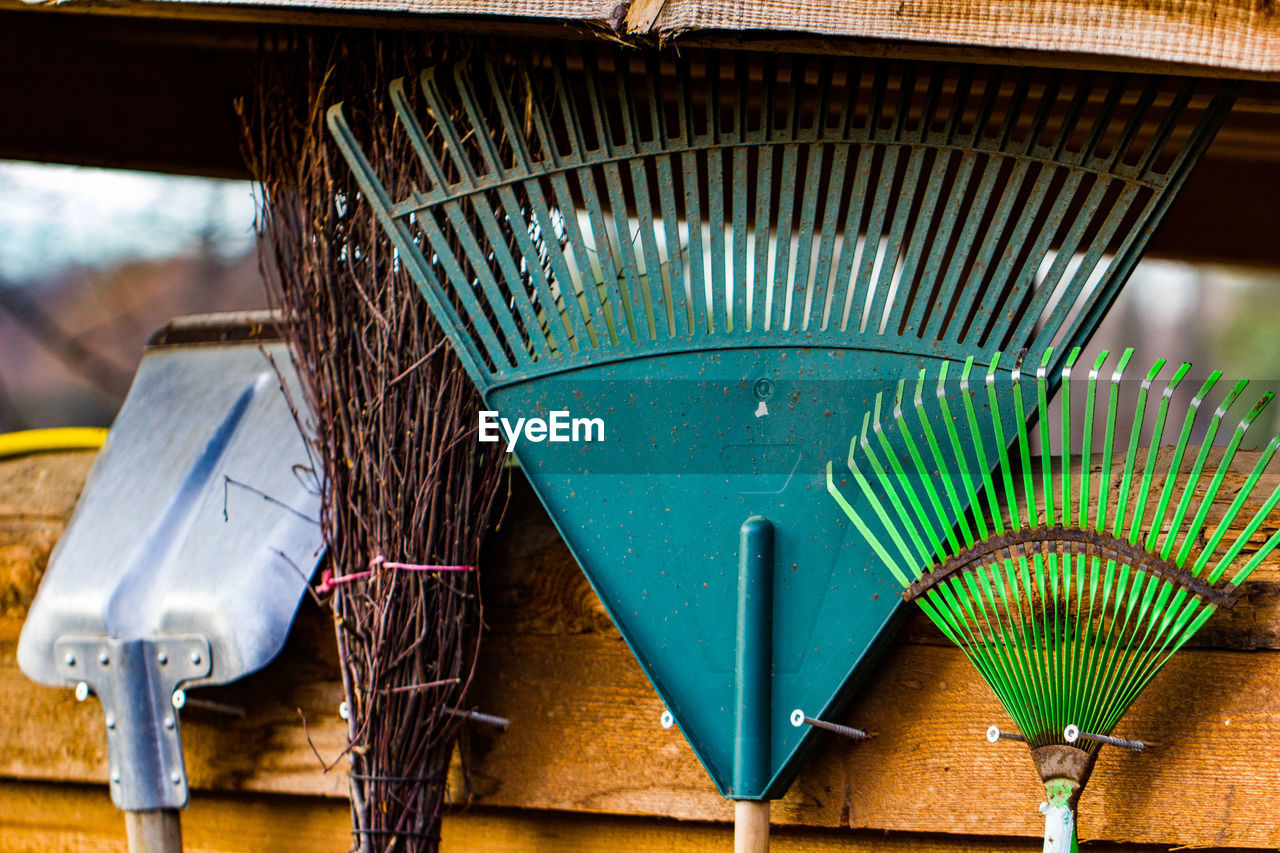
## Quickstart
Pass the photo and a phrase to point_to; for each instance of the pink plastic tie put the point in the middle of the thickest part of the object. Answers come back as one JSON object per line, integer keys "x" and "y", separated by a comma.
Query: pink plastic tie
{"x": 328, "y": 581}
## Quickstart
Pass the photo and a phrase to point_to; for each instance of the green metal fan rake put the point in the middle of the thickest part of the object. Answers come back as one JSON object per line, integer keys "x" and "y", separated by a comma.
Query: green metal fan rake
{"x": 1068, "y": 597}
{"x": 722, "y": 257}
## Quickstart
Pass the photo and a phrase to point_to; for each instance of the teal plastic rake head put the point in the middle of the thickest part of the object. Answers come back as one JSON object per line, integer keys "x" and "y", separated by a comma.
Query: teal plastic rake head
{"x": 724, "y": 258}
{"x": 1068, "y": 594}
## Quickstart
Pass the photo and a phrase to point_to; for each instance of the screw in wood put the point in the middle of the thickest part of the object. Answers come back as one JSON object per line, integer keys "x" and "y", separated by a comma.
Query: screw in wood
{"x": 995, "y": 734}
{"x": 799, "y": 718}
{"x": 1072, "y": 734}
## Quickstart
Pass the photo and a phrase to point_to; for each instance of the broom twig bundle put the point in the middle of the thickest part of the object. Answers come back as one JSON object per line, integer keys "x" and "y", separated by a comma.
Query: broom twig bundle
{"x": 405, "y": 480}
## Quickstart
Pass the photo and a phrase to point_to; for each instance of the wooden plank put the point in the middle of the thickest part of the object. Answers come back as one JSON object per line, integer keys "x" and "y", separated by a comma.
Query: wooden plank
{"x": 38, "y": 818}
{"x": 480, "y": 830}
{"x": 584, "y": 735}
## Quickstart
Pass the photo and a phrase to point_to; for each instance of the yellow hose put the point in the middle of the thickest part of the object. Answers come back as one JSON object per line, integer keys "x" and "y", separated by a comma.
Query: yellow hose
{"x": 50, "y": 440}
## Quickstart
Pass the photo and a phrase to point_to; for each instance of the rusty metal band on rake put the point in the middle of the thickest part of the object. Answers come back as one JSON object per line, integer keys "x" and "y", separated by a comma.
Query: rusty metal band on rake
{"x": 1062, "y": 541}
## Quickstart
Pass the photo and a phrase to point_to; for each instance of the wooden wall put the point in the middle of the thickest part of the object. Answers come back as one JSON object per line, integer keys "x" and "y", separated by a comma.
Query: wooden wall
{"x": 585, "y": 765}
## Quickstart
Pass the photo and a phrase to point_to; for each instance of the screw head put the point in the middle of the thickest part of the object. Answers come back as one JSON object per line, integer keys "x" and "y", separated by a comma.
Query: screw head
{"x": 82, "y": 691}
{"x": 993, "y": 734}
{"x": 115, "y": 775}
{"x": 763, "y": 389}
{"x": 344, "y": 710}
{"x": 196, "y": 659}
{"x": 666, "y": 720}
{"x": 797, "y": 718}
{"x": 1071, "y": 733}
{"x": 168, "y": 721}
{"x": 111, "y": 721}
{"x": 162, "y": 658}
{"x": 69, "y": 659}
{"x": 175, "y": 777}
{"x": 179, "y": 698}
{"x": 103, "y": 657}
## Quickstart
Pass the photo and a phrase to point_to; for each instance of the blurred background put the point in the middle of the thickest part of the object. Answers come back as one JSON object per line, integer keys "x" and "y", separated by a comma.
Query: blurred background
{"x": 93, "y": 261}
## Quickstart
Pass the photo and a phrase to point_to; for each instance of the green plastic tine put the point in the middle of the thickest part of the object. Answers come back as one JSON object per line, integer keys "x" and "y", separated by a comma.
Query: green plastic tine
{"x": 1046, "y": 448}
{"x": 910, "y": 558}
{"x": 1137, "y": 120}
{"x": 942, "y": 471}
{"x": 1066, "y": 436}
{"x": 1131, "y": 455}
{"x": 1148, "y": 470}
{"x": 886, "y": 483}
{"x": 862, "y": 527}
{"x": 984, "y": 467}
{"x": 923, "y": 521}
{"x": 1197, "y": 471}
{"x": 1086, "y": 436}
{"x": 1170, "y": 481}
{"x": 1252, "y": 527}
{"x": 1243, "y": 493}
{"x": 1263, "y": 552}
{"x": 1024, "y": 445}
{"x": 1063, "y": 257}
{"x": 560, "y": 333}
{"x": 981, "y": 590}
{"x": 940, "y": 322}
{"x": 1108, "y": 447}
{"x": 582, "y": 319}
{"x": 937, "y": 618}
{"x": 958, "y": 452}
{"x": 1002, "y": 446}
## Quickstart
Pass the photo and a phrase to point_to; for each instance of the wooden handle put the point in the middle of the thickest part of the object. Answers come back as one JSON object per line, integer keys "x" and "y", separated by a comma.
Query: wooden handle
{"x": 158, "y": 831}
{"x": 751, "y": 826}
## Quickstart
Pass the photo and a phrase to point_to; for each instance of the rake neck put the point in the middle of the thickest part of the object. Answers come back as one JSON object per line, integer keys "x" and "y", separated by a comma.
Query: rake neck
{"x": 1064, "y": 770}
{"x": 1060, "y": 816}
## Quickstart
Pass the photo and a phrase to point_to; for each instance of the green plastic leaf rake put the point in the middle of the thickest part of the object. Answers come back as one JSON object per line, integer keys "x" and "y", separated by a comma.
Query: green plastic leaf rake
{"x": 1068, "y": 597}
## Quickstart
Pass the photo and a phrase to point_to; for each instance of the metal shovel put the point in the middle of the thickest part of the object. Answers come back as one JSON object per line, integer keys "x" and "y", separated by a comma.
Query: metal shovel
{"x": 186, "y": 558}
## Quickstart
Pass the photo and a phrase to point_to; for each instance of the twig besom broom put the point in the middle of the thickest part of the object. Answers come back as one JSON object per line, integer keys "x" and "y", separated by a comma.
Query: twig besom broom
{"x": 1068, "y": 599}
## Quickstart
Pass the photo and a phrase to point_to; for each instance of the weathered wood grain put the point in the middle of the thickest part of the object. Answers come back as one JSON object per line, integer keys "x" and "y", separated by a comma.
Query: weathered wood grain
{"x": 42, "y": 818}
{"x": 584, "y": 736}
{"x": 507, "y": 831}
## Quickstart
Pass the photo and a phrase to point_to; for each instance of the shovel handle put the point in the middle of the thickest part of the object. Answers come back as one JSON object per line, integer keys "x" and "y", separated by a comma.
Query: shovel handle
{"x": 157, "y": 831}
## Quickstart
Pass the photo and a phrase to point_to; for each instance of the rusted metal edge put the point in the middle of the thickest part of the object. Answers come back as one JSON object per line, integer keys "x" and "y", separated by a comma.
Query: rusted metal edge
{"x": 1070, "y": 540}
{"x": 223, "y": 328}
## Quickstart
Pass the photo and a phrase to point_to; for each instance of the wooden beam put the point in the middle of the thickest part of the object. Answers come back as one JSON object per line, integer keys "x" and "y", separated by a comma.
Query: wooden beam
{"x": 38, "y": 818}
{"x": 1227, "y": 34}
{"x": 482, "y": 830}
